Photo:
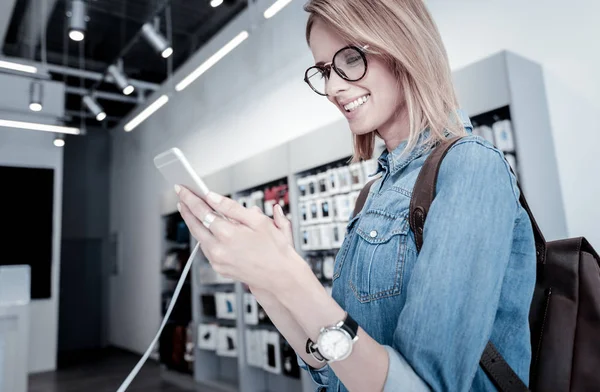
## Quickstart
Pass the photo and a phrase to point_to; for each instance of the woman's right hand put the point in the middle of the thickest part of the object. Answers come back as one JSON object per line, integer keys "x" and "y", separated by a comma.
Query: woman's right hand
{"x": 285, "y": 226}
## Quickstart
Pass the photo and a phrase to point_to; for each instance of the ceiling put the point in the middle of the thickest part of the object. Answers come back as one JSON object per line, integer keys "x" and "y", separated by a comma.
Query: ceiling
{"x": 113, "y": 25}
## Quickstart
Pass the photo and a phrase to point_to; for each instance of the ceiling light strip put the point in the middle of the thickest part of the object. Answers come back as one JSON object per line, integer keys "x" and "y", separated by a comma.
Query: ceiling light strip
{"x": 39, "y": 127}
{"x": 18, "y": 67}
{"x": 212, "y": 60}
{"x": 275, "y": 8}
{"x": 144, "y": 114}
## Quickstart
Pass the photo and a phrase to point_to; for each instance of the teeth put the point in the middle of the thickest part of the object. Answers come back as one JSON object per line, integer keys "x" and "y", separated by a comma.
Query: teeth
{"x": 356, "y": 103}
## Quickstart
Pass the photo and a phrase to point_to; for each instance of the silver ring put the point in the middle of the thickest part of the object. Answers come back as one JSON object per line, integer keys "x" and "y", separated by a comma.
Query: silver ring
{"x": 208, "y": 220}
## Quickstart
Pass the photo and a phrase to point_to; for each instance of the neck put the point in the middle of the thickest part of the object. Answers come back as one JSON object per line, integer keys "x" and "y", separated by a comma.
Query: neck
{"x": 396, "y": 129}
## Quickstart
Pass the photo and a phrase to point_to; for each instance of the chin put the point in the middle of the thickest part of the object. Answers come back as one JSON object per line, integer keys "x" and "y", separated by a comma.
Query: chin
{"x": 360, "y": 129}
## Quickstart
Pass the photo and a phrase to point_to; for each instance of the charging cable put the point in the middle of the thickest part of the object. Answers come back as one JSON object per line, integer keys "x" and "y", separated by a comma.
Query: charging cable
{"x": 141, "y": 362}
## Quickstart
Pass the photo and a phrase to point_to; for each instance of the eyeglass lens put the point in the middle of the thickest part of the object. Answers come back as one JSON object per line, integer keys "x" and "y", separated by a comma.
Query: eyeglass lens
{"x": 349, "y": 65}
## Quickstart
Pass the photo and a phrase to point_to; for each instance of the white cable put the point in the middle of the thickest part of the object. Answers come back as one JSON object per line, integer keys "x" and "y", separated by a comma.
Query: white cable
{"x": 139, "y": 365}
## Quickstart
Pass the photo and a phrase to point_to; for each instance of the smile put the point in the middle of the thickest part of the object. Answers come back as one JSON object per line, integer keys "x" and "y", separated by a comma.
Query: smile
{"x": 356, "y": 103}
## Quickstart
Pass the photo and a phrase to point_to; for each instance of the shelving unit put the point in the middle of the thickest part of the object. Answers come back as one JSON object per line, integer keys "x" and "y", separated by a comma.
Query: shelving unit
{"x": 175, "y": 347}
{"x": 502, "y": 87}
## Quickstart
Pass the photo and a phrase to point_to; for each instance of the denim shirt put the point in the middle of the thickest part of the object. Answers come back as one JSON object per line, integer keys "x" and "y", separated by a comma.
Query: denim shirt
{"x": 471, "y": 282}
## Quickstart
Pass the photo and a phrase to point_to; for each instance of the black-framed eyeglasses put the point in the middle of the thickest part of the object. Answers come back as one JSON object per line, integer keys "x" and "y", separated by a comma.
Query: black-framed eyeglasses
{"x": 350, "y": 63}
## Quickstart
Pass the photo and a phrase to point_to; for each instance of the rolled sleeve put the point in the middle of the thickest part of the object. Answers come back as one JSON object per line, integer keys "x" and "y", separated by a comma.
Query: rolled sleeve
{"x": 454, "y": 291}
{"x": 319, "y": 376}
{"x": 401, "y": 376}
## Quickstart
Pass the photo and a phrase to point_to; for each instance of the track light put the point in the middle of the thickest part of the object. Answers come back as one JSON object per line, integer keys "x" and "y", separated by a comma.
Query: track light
{"x": 120, "y": 80}
{"x": 59, "y": 140}
{"x": 78, "y": 20}
{"x": 216, "y": 3}
{"x": 156, "y": 40}
{"x": 36, "y": 91}
{"x": 94, "y": 107}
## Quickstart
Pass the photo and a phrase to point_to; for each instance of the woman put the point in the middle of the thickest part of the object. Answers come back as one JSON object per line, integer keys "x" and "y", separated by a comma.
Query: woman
{"x": 422, "y": 320}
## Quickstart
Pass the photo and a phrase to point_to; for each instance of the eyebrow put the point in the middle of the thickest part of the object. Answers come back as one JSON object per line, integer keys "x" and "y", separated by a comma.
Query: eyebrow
{"x": 320, "y": 63}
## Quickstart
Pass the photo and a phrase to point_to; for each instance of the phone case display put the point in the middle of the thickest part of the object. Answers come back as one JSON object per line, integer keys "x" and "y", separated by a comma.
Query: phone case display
{"x": 289, "y": 360}
{"x": 333, "y": 179}
{"x": 357, "y": 176}
{"x": 257, "y": 199}
{"x": 328, "y": 263}
{"x": 499, "y": 123}
{"x": 345, "y": 179}
{"x": 486, "y": 132}
{"x": 207, "y": 275}
{"x": 209, "y": 306}
{"x": 227, "y": 342}
{"x": 207, "y": 336}
{"x": 250, "y": 309}
{"x": 314, "y": 212}
{"x": 271, "y": 352}
{"x": 302, "y": 184}
{"x": 244, "y": 201}
{"x": 343, "y": 207}
{"x": 326, "y": 207}
{"x": 254, "y": 351}
{"x": 503, "y": 135}
{"x": 323, "y": 184}
{"x": 313, "y": 187}
{"x": 189, "y": 347}
{"x": 338, "y": 230}
{"x": 226, "y": 306}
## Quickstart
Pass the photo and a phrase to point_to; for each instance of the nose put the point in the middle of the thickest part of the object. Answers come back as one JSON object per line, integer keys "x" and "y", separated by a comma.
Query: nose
{"x": 335, "y": 84}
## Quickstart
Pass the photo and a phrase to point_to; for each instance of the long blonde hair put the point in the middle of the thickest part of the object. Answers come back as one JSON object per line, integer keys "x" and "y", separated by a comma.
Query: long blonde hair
{"x": 404, "y": 34}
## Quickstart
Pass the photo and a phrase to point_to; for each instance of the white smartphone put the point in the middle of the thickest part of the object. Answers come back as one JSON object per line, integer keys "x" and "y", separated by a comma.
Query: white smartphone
{"x": 176, "y": 169}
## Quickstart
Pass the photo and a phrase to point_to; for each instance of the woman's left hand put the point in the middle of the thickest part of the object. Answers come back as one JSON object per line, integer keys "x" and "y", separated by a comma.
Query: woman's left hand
{"x": 247, "y": 246}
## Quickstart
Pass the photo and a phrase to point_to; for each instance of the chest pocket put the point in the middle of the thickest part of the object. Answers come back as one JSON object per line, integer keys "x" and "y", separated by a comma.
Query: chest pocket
{"x": 378, "y": 258}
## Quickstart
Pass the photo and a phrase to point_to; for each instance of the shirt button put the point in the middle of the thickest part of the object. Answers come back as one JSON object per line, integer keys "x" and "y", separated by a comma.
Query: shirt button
{"x": 373, "y": 234}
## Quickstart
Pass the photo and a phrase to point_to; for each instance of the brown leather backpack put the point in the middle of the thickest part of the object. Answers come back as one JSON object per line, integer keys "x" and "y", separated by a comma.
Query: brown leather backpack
{"x": 565, "y": 310}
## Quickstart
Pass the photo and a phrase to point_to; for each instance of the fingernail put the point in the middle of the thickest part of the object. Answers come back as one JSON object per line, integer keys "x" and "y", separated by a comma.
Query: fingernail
{"x": 279, "y": 209}
{"x": 214, "y": 197}
{"x": 179, "y": 207}
{"x": 177, "y": 189}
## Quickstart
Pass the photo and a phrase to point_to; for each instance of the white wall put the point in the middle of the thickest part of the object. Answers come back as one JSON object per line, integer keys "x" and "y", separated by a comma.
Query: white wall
{"x": 255, "y": 99}
{"x": 35, "y": 149}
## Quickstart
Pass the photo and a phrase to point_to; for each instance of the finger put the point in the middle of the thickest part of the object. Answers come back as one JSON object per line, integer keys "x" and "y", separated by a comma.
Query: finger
{"x": 234, "y": 210}
{"x": 283, "y": 223}
{"x": 201, "y": 233}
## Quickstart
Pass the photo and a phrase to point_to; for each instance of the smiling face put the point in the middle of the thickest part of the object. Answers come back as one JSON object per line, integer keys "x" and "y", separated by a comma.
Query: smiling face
{"x": 374, "y": 102}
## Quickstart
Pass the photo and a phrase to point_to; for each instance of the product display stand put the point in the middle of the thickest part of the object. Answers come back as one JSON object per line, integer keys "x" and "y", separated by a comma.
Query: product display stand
{"x": 503, "y": 94}
{"x": 176, "y": 344}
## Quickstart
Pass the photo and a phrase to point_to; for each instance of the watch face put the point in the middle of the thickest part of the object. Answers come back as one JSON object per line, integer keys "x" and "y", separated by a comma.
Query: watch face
{"x": 335, "y": 344}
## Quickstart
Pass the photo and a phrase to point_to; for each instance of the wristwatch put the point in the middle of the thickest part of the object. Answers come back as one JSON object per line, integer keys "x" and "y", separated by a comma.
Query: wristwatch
{"x": 334, "y": 342}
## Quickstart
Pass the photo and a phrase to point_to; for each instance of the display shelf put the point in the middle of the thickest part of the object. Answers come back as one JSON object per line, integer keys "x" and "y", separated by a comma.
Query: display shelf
{"x": 175, "y": 347}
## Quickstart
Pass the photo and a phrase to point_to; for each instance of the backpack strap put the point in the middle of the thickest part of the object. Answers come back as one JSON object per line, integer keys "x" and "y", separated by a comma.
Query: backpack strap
{"x": 494, "y": 365}
{"x": 362, "y": 196}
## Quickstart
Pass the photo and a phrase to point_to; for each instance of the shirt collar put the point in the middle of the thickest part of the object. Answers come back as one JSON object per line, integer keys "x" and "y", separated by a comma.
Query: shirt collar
{"x": 397, "y": 160}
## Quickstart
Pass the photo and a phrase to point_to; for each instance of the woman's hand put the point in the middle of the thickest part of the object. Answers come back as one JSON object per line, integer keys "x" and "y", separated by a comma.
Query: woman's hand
{"x": 246, "y": 246}
{"x": 285, "y": 227}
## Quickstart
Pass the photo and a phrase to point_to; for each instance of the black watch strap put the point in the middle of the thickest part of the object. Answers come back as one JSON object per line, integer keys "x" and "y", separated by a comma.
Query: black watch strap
{"x": 350, "y": 326}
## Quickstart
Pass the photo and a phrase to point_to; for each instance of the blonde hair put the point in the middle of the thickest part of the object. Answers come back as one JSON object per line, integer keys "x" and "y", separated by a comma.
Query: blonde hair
{"x": 404, "y": 35}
